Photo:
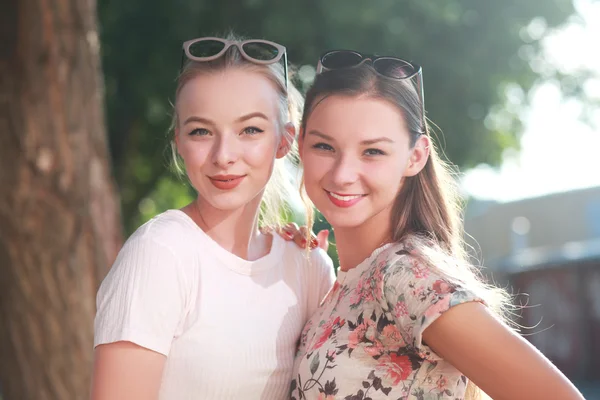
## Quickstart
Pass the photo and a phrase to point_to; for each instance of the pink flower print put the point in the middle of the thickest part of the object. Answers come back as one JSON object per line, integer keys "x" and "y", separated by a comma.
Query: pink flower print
{"x": 331, "y": 354}
{"x": 397, "y": 367}
{"x": 328, "y": 329}
{"x": 378, "y": 284}
{"x": 358, "y": 334}
{"x": 343, "y": 292}
{"x": 442, "y": 383}
{"x": 363, "y": 292}
{"x": 400, "y": 309}
{"x": 392, "y": 338}
{"x": 374, "y": 349}
{"x": 419, "y": 271}
{"x": 420, "y": 293}
{"x": 441, "y": 287}
{"x": 438, "y": 308}
{"x": 364, "y": 334}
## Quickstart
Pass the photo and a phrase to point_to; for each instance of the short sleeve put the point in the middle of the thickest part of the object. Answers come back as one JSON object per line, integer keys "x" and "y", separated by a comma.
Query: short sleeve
{"x": 324, "y": 274}
{"x": 142, "y": 299}
{"x": 415, "y": 295}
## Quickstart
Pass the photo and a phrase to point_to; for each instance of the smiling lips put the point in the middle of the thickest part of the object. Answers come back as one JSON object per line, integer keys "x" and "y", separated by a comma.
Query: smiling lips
{"x": 344, "y": 200}
{"x": 226, "y": 182}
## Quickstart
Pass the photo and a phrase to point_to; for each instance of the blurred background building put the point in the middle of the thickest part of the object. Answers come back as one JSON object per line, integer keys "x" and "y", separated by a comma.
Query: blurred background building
{"x": 546, "y": 250}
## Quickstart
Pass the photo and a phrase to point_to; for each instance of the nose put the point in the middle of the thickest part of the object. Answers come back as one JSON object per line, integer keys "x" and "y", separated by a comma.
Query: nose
{"x": 346, "y": 171}
{"x": 226, "y": 151}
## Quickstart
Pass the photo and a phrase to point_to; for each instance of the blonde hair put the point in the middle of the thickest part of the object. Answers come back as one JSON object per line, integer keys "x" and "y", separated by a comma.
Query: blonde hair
{"x": 428, "y": 209}
{"x": 274, "y": 206}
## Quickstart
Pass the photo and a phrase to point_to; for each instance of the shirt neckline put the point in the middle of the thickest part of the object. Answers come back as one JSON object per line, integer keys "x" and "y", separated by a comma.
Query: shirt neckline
{"x": 232, "y": 261}
{"x": 343, "y": 276}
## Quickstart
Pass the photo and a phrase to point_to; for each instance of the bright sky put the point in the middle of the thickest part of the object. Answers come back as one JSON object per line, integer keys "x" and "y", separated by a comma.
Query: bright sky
{"x": 559, "y": 152}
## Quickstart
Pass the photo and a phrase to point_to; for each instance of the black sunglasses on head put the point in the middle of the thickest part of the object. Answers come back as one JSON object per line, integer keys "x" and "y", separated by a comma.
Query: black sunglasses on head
{"x": 387, "y": 66}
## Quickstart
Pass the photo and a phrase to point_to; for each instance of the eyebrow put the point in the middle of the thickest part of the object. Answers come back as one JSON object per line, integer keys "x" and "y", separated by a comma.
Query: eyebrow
{"x": 240, "y": 119}
{"x": 364, "y": 142}
{"x": 252, "y": 115}
{"x": 198, "y": 119}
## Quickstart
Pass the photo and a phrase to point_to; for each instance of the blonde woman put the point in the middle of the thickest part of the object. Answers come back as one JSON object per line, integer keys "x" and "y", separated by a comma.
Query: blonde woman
{"x": 200, "y": 304}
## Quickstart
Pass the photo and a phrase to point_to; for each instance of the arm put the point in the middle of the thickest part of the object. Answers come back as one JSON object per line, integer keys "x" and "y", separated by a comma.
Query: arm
{"x": 141, "y": 306}
{"x": 126, "y": 371}
{"x": 495, "y": 358}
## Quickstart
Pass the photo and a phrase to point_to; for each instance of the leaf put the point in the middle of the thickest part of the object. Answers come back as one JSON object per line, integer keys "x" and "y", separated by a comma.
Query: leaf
{"x": 366, "y": 384}
{"x": 386, "y": 390}
{"x": 360, "y": 319}
{"x": 314, "y": 364}
{"x": 330, "y": 388}
{"x": 377, "y": 383}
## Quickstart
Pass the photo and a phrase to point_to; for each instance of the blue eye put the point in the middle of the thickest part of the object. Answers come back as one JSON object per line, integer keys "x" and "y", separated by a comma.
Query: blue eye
{"x": 322, "y": 146}
{"x": 374, "y": 152}
{"x": 252, "y": 130}
{"x": 199, "y": 132}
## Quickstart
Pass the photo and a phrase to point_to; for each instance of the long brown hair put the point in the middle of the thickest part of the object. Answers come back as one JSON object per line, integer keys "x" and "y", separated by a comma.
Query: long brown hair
{"x": 428, "y": 207}
{"x": 274, "y": 201}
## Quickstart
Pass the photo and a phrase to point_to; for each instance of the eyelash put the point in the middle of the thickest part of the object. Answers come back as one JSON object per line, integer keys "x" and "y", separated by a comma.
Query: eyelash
{"x": 251, "y": 130}
{"x": 322, "y": 146}
{"x": 374, "y": 152}
{"x": 196, "y": 132}
{"x": 367, "y": 152}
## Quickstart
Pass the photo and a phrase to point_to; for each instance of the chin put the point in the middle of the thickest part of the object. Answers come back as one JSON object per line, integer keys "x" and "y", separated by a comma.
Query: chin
{"x": 339, "y": 220}
{"x": 228, "y": 201}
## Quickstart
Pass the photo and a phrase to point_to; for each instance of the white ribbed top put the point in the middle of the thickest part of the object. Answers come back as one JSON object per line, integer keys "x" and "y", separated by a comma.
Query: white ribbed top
{"x": 228, "y": 326}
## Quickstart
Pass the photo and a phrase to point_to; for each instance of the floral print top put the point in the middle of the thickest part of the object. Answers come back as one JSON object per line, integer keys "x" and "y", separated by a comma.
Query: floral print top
{"x": 365, "y": 340}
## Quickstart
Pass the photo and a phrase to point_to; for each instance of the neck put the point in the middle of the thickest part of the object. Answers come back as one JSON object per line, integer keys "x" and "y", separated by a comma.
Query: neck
{"x": 357, "y": 243}
{"x": 234, "y": 230}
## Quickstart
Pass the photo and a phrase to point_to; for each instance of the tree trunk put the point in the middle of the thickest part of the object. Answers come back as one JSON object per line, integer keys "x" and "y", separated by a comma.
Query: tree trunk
{"x": 59, "y": 215}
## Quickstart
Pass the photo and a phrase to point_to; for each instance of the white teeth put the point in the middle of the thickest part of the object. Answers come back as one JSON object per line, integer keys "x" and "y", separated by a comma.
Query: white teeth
{"x": 344, "y": 198}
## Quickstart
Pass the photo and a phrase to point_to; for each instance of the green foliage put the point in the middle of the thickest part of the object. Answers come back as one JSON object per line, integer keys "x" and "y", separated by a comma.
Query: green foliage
{"x": 469, "y": 51}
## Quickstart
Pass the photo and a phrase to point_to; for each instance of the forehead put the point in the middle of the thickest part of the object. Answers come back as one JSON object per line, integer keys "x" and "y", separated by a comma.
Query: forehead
{"x": 356, "y": 117}
{"x": 228, "y": 94}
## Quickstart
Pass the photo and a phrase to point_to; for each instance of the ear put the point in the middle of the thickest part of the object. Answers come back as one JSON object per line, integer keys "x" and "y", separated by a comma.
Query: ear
{"x": 418, "y": 157}
{"x": 286, "y": 142}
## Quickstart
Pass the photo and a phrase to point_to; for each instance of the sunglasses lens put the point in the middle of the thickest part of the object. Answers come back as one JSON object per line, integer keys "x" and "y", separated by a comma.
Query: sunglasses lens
{"x": 206, "y": 48}
{"x": 340, "y": 59}
{"x": 261, "y": 51}
{"x": 393, "y": 68}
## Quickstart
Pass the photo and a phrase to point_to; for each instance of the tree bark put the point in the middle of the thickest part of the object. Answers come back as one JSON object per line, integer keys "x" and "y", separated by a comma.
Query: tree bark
{"x": 59, "y": 215}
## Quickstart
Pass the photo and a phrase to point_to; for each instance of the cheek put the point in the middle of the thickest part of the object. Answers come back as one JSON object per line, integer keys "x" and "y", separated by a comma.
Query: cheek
{"x": 259, "y": 154}
{"x": 315, "y": 168}
{"x": 386, "y": 175}
{"x": 195, "y": 154}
